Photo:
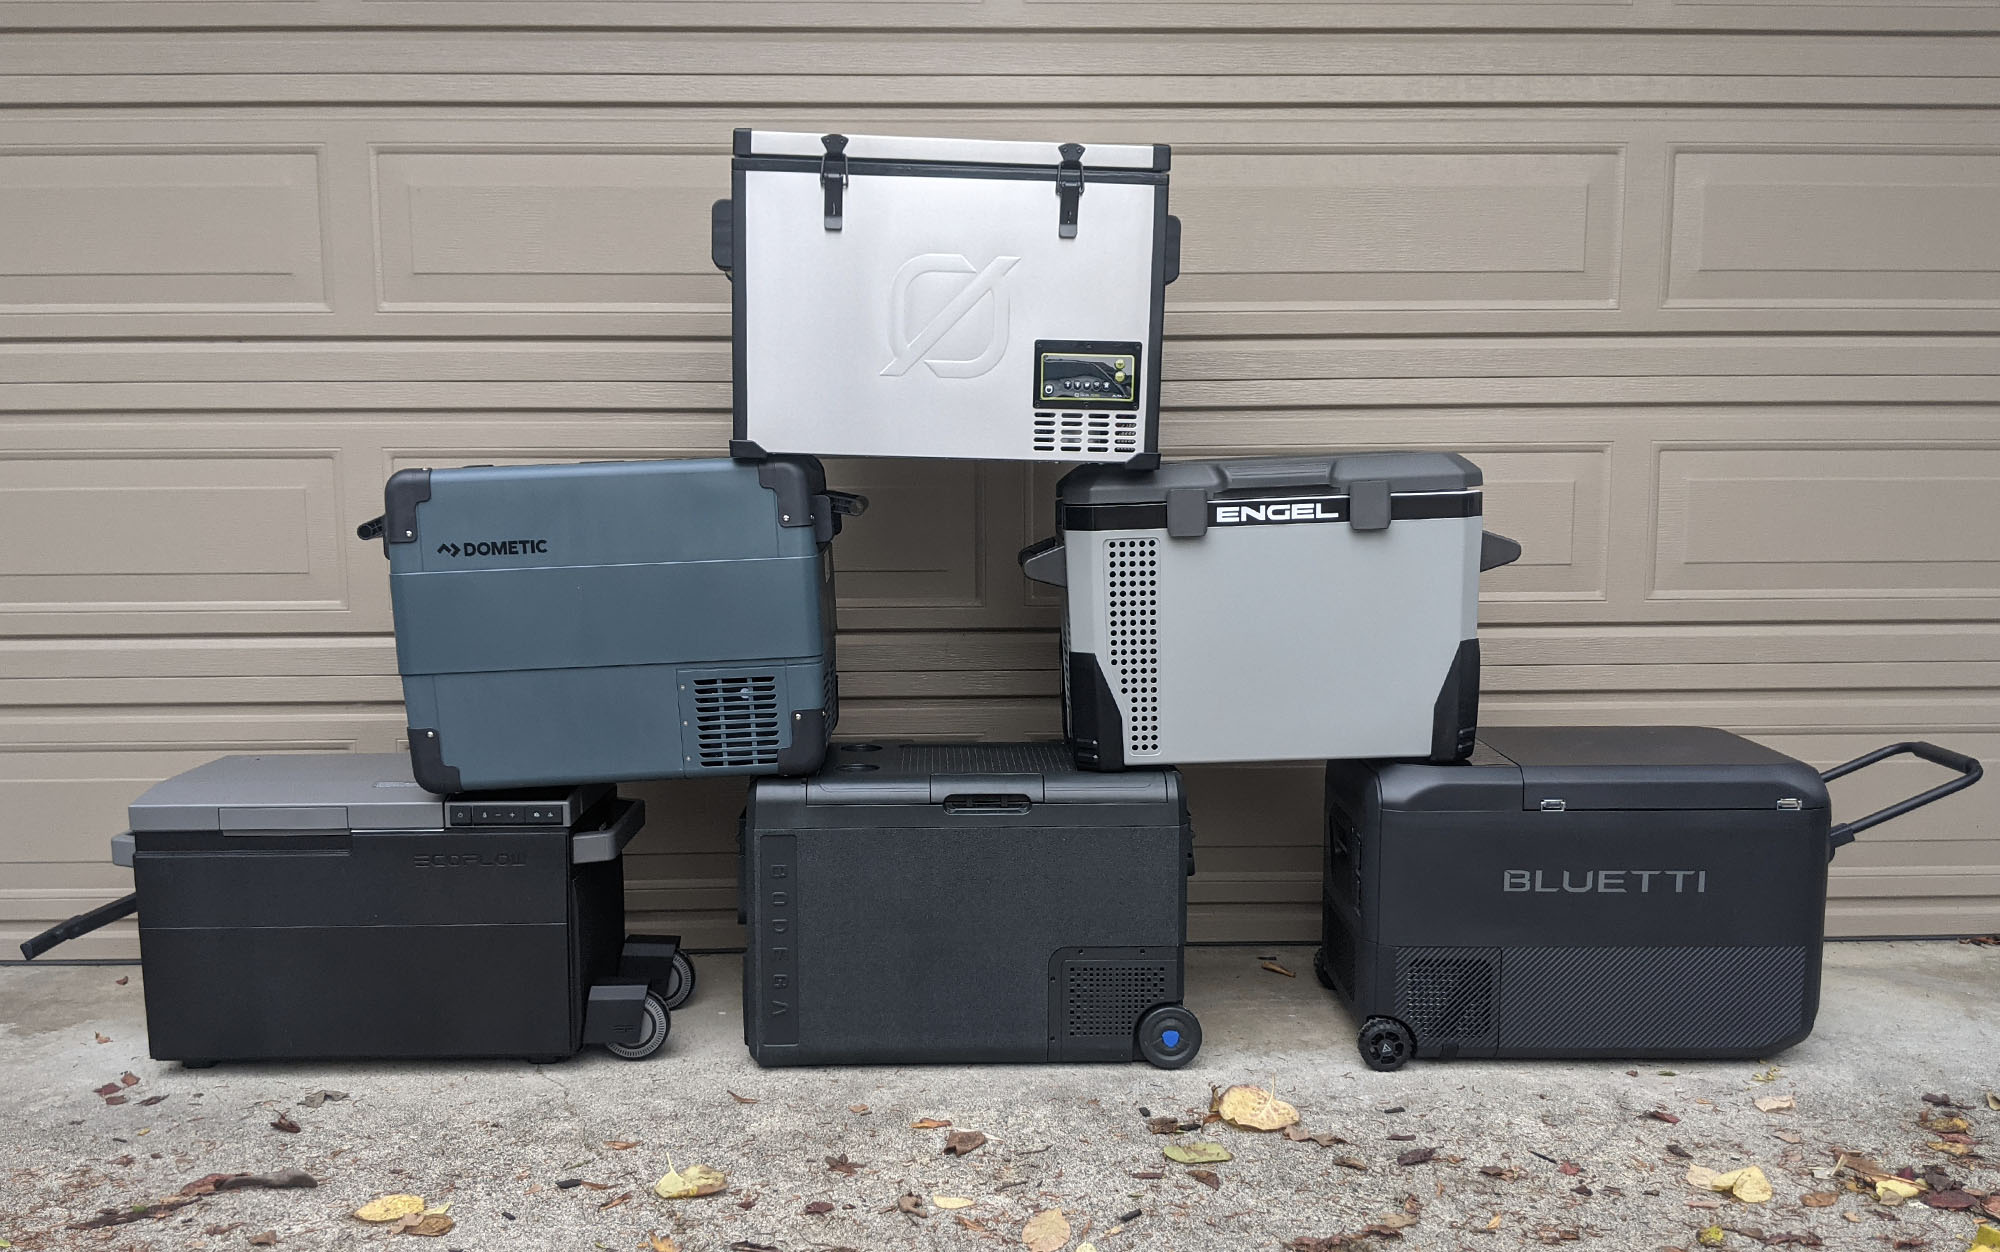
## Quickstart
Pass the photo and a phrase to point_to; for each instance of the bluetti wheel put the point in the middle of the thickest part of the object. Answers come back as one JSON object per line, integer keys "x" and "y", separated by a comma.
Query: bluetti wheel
{"x": 658, "y": 1023}
{"x": 679, "y": 982}
{"x": 1319, "y": 969}
{"x": 1169, "y": 1036}
{"x": 1386, "y": 1043}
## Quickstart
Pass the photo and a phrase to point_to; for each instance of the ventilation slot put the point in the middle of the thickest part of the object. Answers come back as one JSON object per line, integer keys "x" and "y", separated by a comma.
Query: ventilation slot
{"x": 1087, "y": 432}
{"x": 736, "y": 721}
{"x": 1132, "y": 631}
{"x": 1104, "y": 1000}
{"x": 1445, "y": 995}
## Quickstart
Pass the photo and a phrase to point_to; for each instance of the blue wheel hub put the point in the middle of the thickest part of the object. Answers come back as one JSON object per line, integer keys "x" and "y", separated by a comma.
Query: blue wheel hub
{"x": 1170, "y": 1039}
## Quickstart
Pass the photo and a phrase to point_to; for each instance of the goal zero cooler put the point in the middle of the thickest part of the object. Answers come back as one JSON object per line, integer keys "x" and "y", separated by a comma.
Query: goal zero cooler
{"x": 1271, "y": 609}
{"x": 967, "y": 298}
{"x": 613, "y": 621}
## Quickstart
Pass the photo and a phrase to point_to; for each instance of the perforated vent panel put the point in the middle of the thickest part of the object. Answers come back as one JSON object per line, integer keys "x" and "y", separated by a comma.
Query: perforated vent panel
{"x": 1132, "y": 635}
{"x": 736, "y": 721}
{"x": 983, "y": 758}
{"x": 1675, "y": 999}
{"x": 1087, "y": 432}
{"x": 1446, "y": 995}
{"x": 1105, "y": 999}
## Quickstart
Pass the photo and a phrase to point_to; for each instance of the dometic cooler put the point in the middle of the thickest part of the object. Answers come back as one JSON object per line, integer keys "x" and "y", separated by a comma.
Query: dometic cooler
{"x": 613, "y": 621}
{"x": 947, "y": 297}
{"x": 1586, "y": 892}
{"x": 324, "y": 905}
{"x": 1269, "y": 609}
{"x": 920, "y": 904}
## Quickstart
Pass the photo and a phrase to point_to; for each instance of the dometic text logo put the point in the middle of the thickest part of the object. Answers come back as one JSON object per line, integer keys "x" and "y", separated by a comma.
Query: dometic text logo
{"x": 1271, "y": 512}
{"x": 921, "y": 282}
{"x": 453, "y": 860}
{"x": 496, "y": 547}
{"x": 1644, "y": 882}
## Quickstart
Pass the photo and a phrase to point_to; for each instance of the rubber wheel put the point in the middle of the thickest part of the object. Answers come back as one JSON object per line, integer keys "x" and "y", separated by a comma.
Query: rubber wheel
{"x": 1319, "y": 970}
{"x": 678, "y": 985}
{"x": 1169, "y": 1036}
{"x": 657, "y": 1022}
{"x": 197, "y": 1064}
{"x": 1386, "y": 1043}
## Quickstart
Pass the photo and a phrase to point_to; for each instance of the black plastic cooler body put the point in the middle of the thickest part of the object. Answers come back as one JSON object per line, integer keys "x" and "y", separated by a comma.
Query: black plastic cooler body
{"x": 961, "y": 903}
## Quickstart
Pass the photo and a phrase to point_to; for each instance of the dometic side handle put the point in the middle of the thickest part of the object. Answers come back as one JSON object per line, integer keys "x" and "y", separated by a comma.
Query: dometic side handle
{"x": 1046, "y": 562}
{"x": 1968, "y": 769}
{"x": 80, "y": 925}
{"x": 372, "y": 528}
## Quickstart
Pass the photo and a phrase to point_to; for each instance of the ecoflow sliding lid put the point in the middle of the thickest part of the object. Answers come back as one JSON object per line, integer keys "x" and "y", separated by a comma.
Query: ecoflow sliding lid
{"x": 304, "y": 791}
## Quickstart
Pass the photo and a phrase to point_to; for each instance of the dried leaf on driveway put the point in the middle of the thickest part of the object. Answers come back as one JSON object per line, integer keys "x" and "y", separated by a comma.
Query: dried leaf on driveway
{"x": 1896, "y": 1190}
{"x": 1324, "y": 1138}
{"x": 929, "y": 1123}
{"x": 108, "y": 1089}
{"x": 695, "y": 1180}
{"x": 1775, "y": 1104}
{"x": 390, "y": 1208}
{"x": 1207, "y": 1178}
{"x": 101, "y": 1036}
{"x": 431, "y": 1225}
{"x": 285, "y": 1124}
{"x": 1416, "y": 1156}
{"x": 1253, "y": 1108}
{"x": 841, "y": 1165}
{"x": 741, "y": 1099}
{"x": 621, "y": 1145}
{"x": 1046, "y": 1231}
{"x": 1276, "y": 968}
{"x": 1661, "y": 1115}
{"x": 269, "y": 1239}
{"x": 1197, "y": 1152}
{"x": 660, "y": 1243}
{"x": 819, "y": 1208}
{"x": 128, "y": 1079}
{"x": 951, "y": 1202}
{"x": 1747, "y": 1184}
{"x": 910, "y": 1202}
{"x": 961, "y": 1142}
{"x": 861, "y": 1109}
{"x": 1820, "y": 1199}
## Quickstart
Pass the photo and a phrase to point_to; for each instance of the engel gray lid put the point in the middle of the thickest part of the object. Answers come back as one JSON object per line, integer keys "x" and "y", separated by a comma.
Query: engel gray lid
{"x": 926, "y": 773}
{"x": 302, "y": 791}
{"x": 1335, "y": 471}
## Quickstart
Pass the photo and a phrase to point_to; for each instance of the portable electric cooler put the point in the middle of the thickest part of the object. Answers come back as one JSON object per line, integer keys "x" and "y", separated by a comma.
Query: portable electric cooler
{"x": 315, "y": 906}
{"x": 917, "y": 904}
{"x": 1270, "y": 609}
{"x": 613, "y": 621}
{"x": 947, "y": 297}
{"x": 1586, "y": 892}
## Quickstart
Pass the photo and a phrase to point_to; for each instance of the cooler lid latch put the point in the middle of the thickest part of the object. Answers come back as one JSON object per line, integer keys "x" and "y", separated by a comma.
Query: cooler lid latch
{"x": 833, "y": 176}
{"x": 1069, "y": 188}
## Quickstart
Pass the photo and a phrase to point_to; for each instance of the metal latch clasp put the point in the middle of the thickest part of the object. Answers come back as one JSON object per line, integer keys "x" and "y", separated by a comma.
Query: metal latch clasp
{"x": 833, "y": 176}
{"x": 1069, "y": 188}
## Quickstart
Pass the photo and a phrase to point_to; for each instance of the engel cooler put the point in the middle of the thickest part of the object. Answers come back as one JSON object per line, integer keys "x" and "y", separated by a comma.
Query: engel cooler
{"x": 947, "y": 297}
{"x": 317, "y": 906}
{"x": 613, "y": 621}
{"x": 917, "y": 904}
{"x": 1586, "y": 892}
{"x": 1270, "y": 609}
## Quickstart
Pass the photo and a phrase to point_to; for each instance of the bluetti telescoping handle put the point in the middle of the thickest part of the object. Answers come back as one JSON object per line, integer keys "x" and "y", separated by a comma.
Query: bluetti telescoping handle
{"x": 1968, "y": 769}
{"x": 82, "y": 924}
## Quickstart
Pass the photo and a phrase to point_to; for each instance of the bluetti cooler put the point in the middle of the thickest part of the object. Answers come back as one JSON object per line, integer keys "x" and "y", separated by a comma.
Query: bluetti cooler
{"x": 1294, "y": 608}
{"x": 947, "y": 297}
{"x": 613, "y": 621}
{"x": 1587, "y": 892}
{"x": 319, "y": 906}
{"x": 941, "y": 904}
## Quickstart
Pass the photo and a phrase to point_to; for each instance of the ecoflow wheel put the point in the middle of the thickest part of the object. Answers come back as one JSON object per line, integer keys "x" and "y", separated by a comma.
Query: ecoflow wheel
{"x": 658, "y": 1023}
{"x": 679, "y": 982}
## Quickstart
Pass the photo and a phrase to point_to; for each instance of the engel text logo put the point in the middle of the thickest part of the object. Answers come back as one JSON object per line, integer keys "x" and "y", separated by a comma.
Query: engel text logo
{"x": 1269, "y": 512}
{"x": 496, "y": 547}
{"x": 976, "y": 286}
{"x": 1692, "y": 882}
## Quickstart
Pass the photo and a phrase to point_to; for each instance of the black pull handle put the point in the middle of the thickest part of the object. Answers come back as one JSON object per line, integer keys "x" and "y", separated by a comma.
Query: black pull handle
{"x": 1496, "y": 550}
{"x": 722, "y": 236}
{"x": 1969, "y": 772}
{"x": 981, "y": 804}
{"x": 82, "y": 924}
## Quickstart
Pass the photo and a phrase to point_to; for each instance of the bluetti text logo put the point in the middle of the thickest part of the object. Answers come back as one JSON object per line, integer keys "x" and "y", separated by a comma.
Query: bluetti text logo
{"x": 976, "y": 287}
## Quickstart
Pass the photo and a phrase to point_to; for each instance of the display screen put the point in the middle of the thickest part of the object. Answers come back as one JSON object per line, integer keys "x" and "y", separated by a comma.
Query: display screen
{"x": 1086, "y": 374}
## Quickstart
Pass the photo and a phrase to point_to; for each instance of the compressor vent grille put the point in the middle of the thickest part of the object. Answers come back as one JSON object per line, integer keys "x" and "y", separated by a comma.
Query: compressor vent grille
{"x": 1104, "y": 1000}
{"x": 736, "y": 721}
{"x": 1087, "y": 432}
{"x": 1446, "y": 995}
{"x": 1132, "y": 632}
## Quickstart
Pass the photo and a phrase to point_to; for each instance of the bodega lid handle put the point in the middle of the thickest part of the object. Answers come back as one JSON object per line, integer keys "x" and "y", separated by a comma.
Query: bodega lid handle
{"x": 1969, "y": 772}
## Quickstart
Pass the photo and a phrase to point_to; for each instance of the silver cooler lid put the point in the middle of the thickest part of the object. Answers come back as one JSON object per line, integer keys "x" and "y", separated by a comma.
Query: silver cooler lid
{"x": 286, "y": 791}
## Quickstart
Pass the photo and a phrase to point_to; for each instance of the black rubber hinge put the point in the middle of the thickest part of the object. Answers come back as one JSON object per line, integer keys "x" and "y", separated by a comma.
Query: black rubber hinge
{"x": 833, "y": 176}
{"x": 406, "y": 490}
{"x": 427, "y": 763}
{"x": 1187, "y": 512}
{"x": 1368, "y": 505}
{"x": 1069, "y": 188}
{"x": 722, "y": 235}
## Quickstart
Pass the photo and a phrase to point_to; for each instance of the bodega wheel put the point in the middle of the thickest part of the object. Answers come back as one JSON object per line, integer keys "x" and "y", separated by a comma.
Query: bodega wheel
{"x": 655, "y": 1024}
{"x": 1386, "y": 1043}
{"x": 1169, "y": 1036}
{"x": 678, "y": 985}
{"x": 1319, "y": 969}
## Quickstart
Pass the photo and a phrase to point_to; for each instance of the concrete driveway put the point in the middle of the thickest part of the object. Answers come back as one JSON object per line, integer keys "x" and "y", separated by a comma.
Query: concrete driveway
{"x": 1521, "y": 1154}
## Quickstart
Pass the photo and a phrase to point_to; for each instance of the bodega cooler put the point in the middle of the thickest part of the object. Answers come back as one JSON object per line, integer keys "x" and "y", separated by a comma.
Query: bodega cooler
{"x": 1587, "y": 892}
{"x": 1270, "y": 609}
{"x": 954, "y": 903}
{"x": 320, "y": 906}
{"x": 972, "y": 298}
{"x": 613, "y": 621}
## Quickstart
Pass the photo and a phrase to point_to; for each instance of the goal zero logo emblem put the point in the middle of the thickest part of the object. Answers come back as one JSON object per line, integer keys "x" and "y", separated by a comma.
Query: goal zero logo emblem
{"x": 496, "y": 547}
{"x": 972, "y": 300}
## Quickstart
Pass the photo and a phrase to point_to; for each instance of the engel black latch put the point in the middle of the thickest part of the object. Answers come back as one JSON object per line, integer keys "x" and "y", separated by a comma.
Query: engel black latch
{"x": 1069, "y": 188}
{"x": 833, "y": 176}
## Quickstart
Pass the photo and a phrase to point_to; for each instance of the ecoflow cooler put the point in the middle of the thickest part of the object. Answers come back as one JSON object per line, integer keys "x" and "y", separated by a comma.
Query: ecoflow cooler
{"x": 1292, "y": 608}
{"x": 947, "y": 297}
{"x": 950, "y": 903}
{"x": 1587, "y": 892}
{"x": 312, "y": 906}
{"x": 613, "y": 621}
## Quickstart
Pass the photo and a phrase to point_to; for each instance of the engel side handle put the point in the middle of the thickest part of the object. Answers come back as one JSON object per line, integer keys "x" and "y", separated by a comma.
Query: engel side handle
{"x": 1968, "y": 769}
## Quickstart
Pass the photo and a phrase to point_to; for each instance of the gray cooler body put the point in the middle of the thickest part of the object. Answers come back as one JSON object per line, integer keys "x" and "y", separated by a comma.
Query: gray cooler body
{"x": 613, "y": 621}
{"x": 947, "y": 297}
{"x": 1294, "y": 608}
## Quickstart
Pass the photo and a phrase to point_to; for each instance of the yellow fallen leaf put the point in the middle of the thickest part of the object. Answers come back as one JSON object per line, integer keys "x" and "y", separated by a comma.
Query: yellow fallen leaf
{"x": 951, "y": 1202}
{"x": 1767, "y": 1075}
{"x": 1775, "y": 1104}
{"x": 390, "y": 1208}
{"x": 431, "y": 1225}
{"x": 1747, "y": 1184}
{"x": 1494, "y": 1223}
{"x": 1956, "y": 1149}
{"x": 1253, "y": 1108}
{"x": 1993, "y": 1100}
{"x": 1901, "y": 1188}
{"x": 1196, "y": 1153}
{"x": 695, "y": 1180}
{"x": 1949, "y": 1126}
{"x": 1396, "y": 1221}
{"x": 928, "y": 1123}
{"x": 1710, "y": 1237}
{"x": 660, "y": 1243}
{"x": 1086, "y": 1247}
{"x": 1703, "y": 1177}
{"x": 1046, "y": 1231}
{"x": 1986, "y": 1237}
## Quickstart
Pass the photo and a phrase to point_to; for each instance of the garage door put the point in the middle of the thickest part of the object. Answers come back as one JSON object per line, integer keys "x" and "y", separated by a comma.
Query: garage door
{"x": 1710, "y": 289}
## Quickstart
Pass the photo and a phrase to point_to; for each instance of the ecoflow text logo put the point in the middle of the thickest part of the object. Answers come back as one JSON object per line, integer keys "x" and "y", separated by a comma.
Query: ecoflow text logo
{"x": 910, "y": 347}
